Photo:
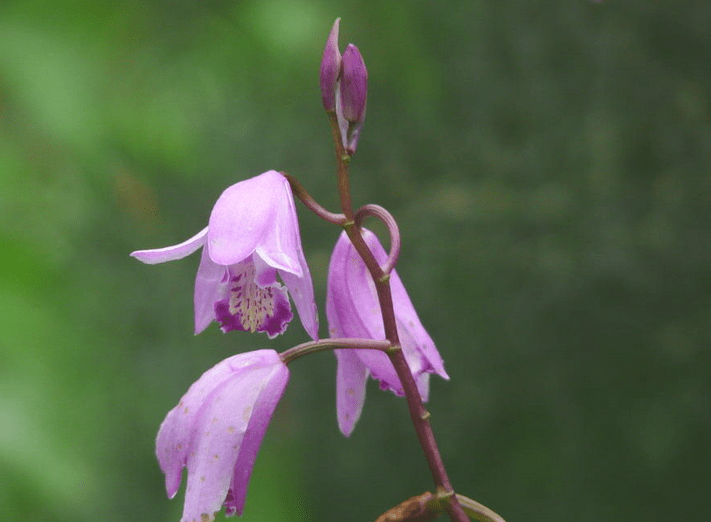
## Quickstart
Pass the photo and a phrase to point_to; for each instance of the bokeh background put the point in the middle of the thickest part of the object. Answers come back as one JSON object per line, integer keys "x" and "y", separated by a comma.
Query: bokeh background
{"x": 548, "y": 163}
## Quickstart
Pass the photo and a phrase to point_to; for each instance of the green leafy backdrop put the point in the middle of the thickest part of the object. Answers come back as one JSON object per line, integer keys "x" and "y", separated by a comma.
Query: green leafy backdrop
{"x": 548, "y": 163}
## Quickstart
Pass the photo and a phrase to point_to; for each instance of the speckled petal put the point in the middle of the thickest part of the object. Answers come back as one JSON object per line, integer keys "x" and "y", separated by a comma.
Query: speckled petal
{"x": 253, "y": 301}
{"x": 351, "y": 377}
{"x": 264, "y": 407}
{"x": 206, "y": 430}
{"x": 172, "y": 443}
{"x": 171, "y": 253}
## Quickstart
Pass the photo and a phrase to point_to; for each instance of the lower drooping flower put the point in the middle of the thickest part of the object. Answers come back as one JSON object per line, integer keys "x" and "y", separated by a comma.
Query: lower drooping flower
{"x": 253, "y": 233}
{"x": 353, "y": 310}
{"x": 216, "y": 430}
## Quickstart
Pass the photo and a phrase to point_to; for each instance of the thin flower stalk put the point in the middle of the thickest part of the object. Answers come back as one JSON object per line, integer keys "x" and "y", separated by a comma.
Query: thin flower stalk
{"x": 333, "y": 343}
{"x": 418, "y": 413}
{"x": 309, "y": 202}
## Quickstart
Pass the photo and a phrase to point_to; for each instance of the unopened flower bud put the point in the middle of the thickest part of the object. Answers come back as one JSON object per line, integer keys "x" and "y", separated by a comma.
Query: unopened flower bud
{"x": 352, "y": 97}
{"x": 330, "y": 69}
{"x": 354, "y": 85}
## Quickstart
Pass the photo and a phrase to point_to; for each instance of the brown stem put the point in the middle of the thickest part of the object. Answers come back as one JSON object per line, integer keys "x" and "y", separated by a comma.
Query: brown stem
{"x": 300, "y": 192}
{"x": 333, "y": 343}
{"x": 418, "y": 413}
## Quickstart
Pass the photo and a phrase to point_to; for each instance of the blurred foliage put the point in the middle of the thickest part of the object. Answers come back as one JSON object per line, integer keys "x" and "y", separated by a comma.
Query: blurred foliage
{"x": 548, "y": 164}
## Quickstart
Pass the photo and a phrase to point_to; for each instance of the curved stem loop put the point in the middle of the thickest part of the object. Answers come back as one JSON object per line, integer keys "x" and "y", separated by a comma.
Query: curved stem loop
{"x": 388, "y": 220}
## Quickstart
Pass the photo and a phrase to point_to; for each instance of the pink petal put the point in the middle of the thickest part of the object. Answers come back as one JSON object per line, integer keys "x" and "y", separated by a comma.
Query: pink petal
{"x": 302, "y": 292}
{"x": 221, "y": 431}
{"x": 351, "y": 377}
{"x": 330, "y": 68}
{"x": 352, "y": 304}
{"x": 269, "y": 396}
{"x": 343, "y": 321}
{"x": 418, "y": 347}
{"x": 245, "y": 217}
{"x": 364, "y": 318}
{"x": 209, "y": 288}
{"x": 171, "y": 253}
{"x": 207, "y": 428}
{"x": 176, "y": 431}
{"x": 281, "y": 245}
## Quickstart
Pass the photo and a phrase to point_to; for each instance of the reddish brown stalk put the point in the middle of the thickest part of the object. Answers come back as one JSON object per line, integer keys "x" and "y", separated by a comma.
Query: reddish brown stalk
{"x": 342, "y": 160}
{"x": 418, "y": 412}
{"x": 332, "y": 343}
{"x": 300, "y": 192}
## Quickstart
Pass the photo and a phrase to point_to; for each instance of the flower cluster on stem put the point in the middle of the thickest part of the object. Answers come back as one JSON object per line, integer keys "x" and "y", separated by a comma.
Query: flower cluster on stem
{"x": 251, "y": 238}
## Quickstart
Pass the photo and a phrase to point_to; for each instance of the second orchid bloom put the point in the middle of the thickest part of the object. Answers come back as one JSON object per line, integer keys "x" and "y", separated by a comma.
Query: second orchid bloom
{"x": 253, "y": 233}
{"x": 353, "y": 310}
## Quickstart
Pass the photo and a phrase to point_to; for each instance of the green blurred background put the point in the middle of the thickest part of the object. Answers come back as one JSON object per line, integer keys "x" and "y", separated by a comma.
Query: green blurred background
{"x": 548, "y": 163}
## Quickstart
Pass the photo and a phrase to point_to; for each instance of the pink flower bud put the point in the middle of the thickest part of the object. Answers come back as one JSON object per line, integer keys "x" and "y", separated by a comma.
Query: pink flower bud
{"x": 330, "y": 68}
{"x": 354, "y": 85}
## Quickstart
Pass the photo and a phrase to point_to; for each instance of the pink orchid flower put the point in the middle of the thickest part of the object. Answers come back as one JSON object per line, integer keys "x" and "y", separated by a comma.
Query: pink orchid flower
{"x": 253, "y": 233}
{"x": 216, "y": 430}
{"x": 353, "y": 310}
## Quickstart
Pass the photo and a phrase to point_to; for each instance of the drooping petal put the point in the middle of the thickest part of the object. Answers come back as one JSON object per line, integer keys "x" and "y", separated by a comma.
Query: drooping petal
{"x": 244, "y": 218}
{"x": 353, "y": 300}
{"x": 355, "y": 303}
{"x": 302, "y": 292}
{"x": 351, "y": 373}
{"x": 250, "y": 307}
{"x": 171, "y": 253}
{"x": 210, "y": 287}
{"x": 412, "y": 333}
{"x": 267, "y": 400}
{"x": 344, "y": 319}
{"x": 176, "y": 431}
{"x": 208, "y": 427}
{"x": 217, "y": 436}
{"x": 351, "y": 377}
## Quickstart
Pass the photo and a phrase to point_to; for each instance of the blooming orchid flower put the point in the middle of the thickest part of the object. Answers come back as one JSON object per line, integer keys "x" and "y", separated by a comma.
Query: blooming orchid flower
{"x": 253, "y": 232}
{"x": 353, "y": 310}
{"x": 216, "y": 430}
